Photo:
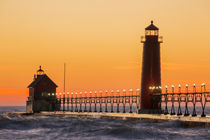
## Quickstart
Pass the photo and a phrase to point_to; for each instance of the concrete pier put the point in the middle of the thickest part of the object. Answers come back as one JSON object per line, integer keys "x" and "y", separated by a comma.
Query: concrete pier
{"x": 185, "y": 120}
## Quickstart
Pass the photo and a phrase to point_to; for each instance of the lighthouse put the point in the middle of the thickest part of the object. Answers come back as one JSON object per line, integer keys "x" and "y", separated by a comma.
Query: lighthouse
{"x": 42, "y": 94}
{"x": 151, "y": 71}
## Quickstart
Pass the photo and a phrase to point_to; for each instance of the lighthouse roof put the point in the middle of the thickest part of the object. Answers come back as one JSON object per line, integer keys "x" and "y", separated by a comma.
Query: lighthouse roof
{"x": 151, "y": 27}
{"x": 39, "y": 79}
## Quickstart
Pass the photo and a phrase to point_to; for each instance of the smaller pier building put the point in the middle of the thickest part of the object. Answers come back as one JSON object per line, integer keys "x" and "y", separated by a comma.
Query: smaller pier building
{"x": 42, "y": 94}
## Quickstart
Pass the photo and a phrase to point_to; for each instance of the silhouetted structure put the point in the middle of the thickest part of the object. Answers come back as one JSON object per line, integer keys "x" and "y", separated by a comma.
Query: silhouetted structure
{"x": 128, "y": 102}
{"x": 42, "y": 94}
{"x": 151, "y": 73}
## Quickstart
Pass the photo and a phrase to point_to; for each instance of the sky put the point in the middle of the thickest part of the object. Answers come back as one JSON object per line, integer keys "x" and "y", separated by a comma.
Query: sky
{"x": 99, "y": 40}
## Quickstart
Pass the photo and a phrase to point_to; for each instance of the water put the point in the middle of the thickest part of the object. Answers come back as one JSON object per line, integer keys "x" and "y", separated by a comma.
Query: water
{"x": 65, "y": 127}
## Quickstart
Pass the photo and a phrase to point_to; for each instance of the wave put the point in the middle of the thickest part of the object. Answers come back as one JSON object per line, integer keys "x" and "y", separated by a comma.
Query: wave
{"x": 16, "y": 126}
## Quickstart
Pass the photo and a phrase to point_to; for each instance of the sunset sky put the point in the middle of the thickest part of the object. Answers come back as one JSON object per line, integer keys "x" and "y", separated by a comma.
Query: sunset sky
{"x": 99, "y": 40}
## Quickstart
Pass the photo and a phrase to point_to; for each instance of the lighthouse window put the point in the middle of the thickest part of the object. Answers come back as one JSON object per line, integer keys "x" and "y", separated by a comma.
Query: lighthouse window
{"x": 148, "y": 32}
{"x": 152, "y": 33}
{"x": 155, "y": 32}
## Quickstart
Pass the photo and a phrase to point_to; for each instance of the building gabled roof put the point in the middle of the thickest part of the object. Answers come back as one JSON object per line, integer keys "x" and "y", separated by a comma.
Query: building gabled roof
{"x": 151, "y": 27}
{"x": 38, "y": 79}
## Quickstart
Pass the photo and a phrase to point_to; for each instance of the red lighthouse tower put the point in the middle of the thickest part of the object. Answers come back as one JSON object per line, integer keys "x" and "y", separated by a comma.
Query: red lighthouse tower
{"x": 151, "y": 72}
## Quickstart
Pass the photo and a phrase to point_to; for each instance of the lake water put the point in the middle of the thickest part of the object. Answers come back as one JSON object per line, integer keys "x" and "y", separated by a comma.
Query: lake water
{"x": 65, "y": 127}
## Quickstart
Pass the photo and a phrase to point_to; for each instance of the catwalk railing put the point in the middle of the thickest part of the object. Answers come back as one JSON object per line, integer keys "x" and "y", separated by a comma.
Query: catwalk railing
{"x": 97, "y": 102}
{"x": 172, "y": 103}
{"x": 182, "y": 100}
